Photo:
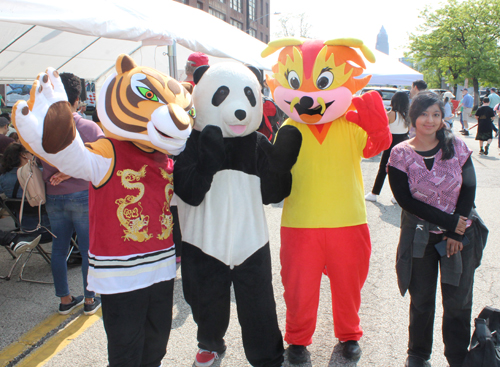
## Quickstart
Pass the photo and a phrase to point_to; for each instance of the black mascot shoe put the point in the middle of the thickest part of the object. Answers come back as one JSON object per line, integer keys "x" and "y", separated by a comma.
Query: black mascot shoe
{"x": 351, "y": 350}
{"x": 413, "y": 361}
{"x": 297, "y": 354}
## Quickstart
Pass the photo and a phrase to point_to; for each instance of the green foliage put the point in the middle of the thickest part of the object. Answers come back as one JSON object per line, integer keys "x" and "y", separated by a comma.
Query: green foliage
{"x": 458, "y": 41}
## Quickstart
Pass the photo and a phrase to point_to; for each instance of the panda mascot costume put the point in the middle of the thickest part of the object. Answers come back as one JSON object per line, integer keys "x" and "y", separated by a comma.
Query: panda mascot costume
{"x": 222, "y": 178}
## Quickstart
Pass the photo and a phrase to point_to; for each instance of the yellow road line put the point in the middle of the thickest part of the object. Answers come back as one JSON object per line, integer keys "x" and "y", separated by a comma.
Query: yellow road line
{"x": 53, "y": 345}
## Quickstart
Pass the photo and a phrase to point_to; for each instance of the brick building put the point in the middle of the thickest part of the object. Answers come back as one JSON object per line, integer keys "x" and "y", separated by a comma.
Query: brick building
{"x": 251, "y": 16}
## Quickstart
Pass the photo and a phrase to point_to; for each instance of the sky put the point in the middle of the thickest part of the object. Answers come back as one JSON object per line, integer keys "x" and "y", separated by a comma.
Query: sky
{"x": 363, "y": 19}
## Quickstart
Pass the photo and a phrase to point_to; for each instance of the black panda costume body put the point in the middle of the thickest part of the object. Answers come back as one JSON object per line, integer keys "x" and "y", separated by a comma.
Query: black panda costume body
{"x": 222, "y": 178}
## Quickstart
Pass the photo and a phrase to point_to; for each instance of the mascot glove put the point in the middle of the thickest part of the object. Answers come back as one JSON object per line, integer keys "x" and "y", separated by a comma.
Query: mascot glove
{"x": 371, "y": 115}
{"x": 211, "y": 151}
{"x": 285, "y": 150}
{"x": 29, "y": 116}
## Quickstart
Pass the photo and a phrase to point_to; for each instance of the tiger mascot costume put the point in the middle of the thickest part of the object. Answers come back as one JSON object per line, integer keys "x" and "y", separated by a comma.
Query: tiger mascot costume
{"x": 145, "y": 116}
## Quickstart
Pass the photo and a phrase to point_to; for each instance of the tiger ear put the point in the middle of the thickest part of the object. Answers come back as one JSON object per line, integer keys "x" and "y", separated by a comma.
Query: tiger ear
{"x": 124, "y": 63}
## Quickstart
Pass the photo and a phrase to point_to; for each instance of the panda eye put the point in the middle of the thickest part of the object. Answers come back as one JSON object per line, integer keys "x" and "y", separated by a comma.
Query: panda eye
{"x": 293, "y": 79}
{"x": 220, "y": 95}
{"x": 251, "y": 97}
{"x": 325, "y": 79}
{"x": 148, "y": 94}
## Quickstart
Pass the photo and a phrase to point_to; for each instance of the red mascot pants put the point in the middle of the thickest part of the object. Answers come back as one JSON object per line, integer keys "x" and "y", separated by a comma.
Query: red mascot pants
{"x": 305, "y": 252}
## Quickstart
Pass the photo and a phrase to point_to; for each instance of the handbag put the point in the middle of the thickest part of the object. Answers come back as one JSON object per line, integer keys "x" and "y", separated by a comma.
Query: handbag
{"x": 31, "y": 180}
{"x": 484, "y": 348}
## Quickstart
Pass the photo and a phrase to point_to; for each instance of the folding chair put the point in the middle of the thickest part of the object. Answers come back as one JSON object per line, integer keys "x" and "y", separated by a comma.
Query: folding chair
{"x": 12, "y": 207}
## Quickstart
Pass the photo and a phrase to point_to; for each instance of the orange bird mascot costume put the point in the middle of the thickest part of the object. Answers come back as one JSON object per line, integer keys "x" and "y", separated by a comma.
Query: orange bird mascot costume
{"x": 324, "y": 226}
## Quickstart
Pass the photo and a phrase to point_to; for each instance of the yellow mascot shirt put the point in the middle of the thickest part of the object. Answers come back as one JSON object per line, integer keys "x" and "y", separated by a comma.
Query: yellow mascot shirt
{"x": 327, "y": 184}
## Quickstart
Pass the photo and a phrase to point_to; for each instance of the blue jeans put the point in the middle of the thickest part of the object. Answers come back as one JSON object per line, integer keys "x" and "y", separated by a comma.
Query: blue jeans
{"x": 68, "y": 213}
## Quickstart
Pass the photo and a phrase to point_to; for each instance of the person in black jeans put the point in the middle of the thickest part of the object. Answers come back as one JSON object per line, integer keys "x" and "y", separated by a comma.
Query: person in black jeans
{"x": 434, "y": 211}
{"x": 399, "y": 124}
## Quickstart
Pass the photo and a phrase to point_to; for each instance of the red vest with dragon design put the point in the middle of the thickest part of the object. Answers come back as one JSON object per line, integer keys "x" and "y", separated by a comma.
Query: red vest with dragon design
{"x": 130, "y": 214}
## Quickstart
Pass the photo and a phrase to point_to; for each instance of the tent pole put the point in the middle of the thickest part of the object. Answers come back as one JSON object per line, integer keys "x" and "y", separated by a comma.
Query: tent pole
{"x": 172, "y": 60}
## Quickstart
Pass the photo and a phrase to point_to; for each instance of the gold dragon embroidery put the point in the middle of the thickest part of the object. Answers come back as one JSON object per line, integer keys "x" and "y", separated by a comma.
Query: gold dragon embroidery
{"x": 167, "y": 223}
{"x": 133, "y": 220}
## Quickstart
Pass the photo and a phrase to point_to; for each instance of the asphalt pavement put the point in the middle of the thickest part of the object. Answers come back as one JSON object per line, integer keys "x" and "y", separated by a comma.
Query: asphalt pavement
{"x": 32, "y": 334}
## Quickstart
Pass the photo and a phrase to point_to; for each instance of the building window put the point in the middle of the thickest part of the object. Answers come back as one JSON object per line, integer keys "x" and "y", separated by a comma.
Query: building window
{"x": 267, "y": 39}
{"x": 217, "y": 14}
{"x": 222, "y": 1}
{"x": 267, "y": 12}
{"x": 252, "y": 32}
{"x": 236, "y": 5}
{"x": 251, "y": 9}
{"x": 261, "y": 12}
{"x": 199, "y": 5}
{"x": 236, "y": 24}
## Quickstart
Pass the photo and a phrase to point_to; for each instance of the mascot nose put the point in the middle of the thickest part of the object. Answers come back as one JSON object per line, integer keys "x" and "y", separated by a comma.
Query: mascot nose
{"x": 240, "y": 114}
{"x": 306, "y": 102}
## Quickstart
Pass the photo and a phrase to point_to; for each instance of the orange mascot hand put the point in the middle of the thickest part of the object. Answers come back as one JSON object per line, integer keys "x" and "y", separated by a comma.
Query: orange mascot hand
{"x": 372, "y": 118}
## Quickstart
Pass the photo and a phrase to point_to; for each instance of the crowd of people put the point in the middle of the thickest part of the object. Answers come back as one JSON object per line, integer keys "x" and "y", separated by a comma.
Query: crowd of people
{"x": 423, "y": 146}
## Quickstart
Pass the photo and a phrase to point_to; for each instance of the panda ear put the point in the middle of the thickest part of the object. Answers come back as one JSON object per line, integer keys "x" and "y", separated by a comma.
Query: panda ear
{"x": 198, "y": 73}
{"x": 256, "y": 72}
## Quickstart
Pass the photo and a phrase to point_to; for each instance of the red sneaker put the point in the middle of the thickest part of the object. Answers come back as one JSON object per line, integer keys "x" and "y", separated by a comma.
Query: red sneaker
{"x": 205, "y": 358}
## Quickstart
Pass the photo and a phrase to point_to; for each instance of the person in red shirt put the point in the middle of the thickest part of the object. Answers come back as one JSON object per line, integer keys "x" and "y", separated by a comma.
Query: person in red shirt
{"x": 195, "y": 60}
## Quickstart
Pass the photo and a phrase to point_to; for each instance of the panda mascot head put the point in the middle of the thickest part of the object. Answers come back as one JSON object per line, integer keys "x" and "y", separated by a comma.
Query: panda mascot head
{"x": 228, "y": 95}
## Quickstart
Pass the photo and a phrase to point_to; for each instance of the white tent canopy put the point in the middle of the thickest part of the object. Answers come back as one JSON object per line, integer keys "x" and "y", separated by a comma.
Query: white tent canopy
{"x": 390, "y": 71}
{"x": 86, "y": 39}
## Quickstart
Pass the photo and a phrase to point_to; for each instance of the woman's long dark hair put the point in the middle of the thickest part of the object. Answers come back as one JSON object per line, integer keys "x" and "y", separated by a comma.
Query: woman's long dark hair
{"x": 11, "y": 157}
{"x": 419, "y": 104}
{"x": 400, "y": 103}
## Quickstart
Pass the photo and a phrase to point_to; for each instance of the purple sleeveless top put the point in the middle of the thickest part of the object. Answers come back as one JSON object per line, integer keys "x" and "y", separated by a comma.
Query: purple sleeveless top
{"x": 438, "y": 187}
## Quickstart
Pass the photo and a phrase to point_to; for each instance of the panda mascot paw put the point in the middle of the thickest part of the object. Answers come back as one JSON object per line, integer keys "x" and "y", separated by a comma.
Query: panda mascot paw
{"x": 286, "y": 148}
{"x": 211, "y": 150}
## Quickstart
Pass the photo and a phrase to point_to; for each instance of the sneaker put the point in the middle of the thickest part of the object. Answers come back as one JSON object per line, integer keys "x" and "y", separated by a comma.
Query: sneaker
{"x": 205, "y": 358}
{"x": 67, "y": 308}
{"x": 91, "y": 308}
{"x": 23, "y": 246}
{"x": 486, "y": 149}
{"x": 465, "y": 132}
{"x": 351, "y": 350}
{"x": 393, "y": 200}
{"x": 371, "y": 197}
{"x": 481, "y": 152}
{"x": 413, "y": 361}
{"x": 297, "y": 354}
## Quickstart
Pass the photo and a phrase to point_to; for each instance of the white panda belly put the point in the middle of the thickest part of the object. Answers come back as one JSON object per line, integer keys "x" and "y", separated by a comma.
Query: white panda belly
{"x": 230, "y": 223}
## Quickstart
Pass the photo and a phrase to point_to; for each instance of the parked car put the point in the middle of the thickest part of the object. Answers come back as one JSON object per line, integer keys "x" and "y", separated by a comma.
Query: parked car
{"x": 387, "y": 94}
{"x": 439, "y": 92}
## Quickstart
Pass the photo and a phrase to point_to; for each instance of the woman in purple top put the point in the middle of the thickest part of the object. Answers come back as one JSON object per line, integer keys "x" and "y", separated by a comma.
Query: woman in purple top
{"x": 433, "y": 180}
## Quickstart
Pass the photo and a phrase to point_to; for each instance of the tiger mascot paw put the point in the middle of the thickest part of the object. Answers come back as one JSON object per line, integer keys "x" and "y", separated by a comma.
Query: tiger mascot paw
{"x": 45, "y": 121}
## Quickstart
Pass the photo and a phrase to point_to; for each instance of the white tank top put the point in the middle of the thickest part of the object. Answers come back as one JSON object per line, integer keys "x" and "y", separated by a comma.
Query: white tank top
{"x": 398, "y": 126}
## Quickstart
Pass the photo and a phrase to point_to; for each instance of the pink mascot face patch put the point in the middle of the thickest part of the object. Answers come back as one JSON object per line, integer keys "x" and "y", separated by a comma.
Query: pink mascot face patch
{"x": 313, "y": 107}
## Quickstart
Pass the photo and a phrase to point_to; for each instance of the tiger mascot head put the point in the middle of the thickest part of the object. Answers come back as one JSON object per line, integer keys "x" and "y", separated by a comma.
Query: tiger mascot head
{"x": 144, "y": 106}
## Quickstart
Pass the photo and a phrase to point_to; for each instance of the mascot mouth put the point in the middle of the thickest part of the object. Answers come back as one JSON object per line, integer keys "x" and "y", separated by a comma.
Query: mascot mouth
{"x": 318, "y": 110}
{"x": 162, "y": 134}
{"x": 238, "y": 129}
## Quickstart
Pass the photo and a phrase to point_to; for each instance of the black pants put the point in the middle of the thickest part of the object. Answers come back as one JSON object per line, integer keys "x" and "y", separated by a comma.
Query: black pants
{"x": 379, "y": 180}
{"x": 207, "y": 288}
{"x": 177, "y": 231}
{"x": 138, "y": 324}
{"x": 457, "y": 304}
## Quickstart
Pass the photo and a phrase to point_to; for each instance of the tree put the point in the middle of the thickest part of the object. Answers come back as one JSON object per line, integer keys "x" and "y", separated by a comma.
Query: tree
{"x": 461, "y": 39}
{"x": 294, "y": 26}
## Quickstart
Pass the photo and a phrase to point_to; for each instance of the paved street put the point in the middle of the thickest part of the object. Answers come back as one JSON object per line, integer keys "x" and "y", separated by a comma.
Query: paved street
{"x": 384, "y": 313}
